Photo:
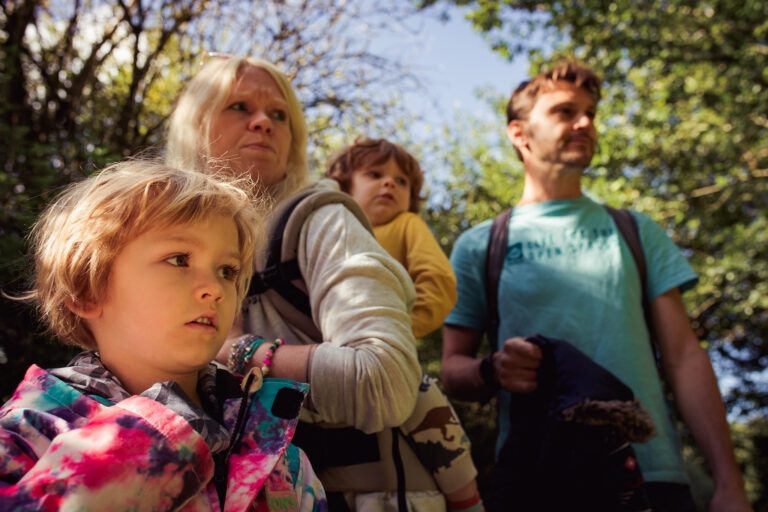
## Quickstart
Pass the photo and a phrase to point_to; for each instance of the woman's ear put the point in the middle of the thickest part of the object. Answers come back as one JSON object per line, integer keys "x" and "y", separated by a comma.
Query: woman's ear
{"x": 84, "y": 309}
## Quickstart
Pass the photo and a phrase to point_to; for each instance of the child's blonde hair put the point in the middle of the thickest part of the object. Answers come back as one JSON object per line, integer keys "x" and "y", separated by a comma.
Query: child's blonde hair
{"x": 367, "y": 152}
{"x": 76, "y": 239}
{"x": 189, "y": 136}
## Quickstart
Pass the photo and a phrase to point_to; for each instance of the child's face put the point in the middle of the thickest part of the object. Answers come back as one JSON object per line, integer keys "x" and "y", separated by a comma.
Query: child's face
{"x": 171, "y": 301}
{"x": 383, "y": 191}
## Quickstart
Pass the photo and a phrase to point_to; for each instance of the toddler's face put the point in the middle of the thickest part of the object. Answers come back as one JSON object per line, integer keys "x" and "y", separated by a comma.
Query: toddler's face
{"x": 383, "y": 191}
{"x": 171, "y": 300}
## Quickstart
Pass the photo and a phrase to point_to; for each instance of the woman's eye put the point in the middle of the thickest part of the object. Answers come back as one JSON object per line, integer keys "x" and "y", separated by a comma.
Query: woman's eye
{"x": 280, "y": 115}
{"x": 179, "y": 260}
{"x": 229, "y": 272}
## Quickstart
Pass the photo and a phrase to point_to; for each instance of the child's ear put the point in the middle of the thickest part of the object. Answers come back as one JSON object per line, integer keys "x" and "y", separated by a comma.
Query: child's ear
{"x": 84, "y": 309}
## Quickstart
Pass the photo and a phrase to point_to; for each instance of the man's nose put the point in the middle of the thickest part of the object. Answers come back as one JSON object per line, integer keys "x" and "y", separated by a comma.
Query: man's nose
{"x": 583, "y": 121}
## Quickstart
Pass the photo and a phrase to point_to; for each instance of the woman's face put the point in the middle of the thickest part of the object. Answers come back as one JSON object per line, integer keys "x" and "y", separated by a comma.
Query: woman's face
{"x": 253, "y": 131}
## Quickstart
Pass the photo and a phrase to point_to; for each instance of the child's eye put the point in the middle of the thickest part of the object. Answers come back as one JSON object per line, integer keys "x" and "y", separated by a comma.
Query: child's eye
{"x": 237, "y": 106}
{"x": 401, "y": 181}
{"x": 374, "y": 174}
{"x": 229, "y": 272}
{"x": 179, "y": 260}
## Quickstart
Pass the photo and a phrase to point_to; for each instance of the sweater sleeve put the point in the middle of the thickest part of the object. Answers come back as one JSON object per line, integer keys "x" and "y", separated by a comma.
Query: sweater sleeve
{"x": 136, "y": 455}
{"x": 366, "y": 374}
{"x": 432, "y": 276}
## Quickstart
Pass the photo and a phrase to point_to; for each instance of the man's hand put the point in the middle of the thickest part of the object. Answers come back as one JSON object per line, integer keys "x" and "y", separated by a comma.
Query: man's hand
{"x": 516, "y": 364}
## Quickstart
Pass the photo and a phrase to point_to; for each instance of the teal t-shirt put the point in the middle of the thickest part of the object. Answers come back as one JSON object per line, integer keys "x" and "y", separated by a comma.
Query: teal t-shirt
{"x": 568, "y": 274}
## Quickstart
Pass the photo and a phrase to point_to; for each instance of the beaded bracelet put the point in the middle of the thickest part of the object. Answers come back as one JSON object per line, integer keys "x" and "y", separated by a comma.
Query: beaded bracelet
{"x": 242, "y": 351}
{"x": 268, "y": 357}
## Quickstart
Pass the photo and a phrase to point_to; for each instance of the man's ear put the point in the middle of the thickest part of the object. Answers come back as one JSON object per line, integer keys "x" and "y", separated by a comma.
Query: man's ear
{"x": 85, "y": 309}
{"x": 516, "y": 134}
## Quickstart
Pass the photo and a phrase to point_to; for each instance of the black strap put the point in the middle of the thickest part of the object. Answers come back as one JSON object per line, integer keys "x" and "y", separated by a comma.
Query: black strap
{"x": 494, "y": 263}
{"x": 627, "y": 226}
{"x": 277, "y": 274}
{"x": 402, "y": 505}
{"x": 334, "y": 447}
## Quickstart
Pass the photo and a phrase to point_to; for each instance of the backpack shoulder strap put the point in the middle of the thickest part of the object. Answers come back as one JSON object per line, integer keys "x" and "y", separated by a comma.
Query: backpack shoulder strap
{"x": 281, "y": 277}
{"x": 494, "y": 263}
{"x": 627, "y": 226}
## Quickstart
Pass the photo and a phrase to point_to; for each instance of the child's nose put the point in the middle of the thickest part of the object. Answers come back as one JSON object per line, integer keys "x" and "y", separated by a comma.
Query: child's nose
{"x": 209, "y": 289}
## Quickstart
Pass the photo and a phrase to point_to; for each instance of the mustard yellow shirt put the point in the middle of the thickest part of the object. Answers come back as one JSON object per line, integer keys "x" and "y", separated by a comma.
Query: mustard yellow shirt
{"x": 408, "y": 239}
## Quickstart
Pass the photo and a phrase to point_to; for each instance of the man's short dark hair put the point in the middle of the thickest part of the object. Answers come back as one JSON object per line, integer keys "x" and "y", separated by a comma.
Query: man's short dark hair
{"x": 525, "y": 95}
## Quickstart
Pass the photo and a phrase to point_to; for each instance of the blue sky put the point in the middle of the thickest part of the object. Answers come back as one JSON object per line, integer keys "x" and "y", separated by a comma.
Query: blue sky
{"x": 453, "y": 61}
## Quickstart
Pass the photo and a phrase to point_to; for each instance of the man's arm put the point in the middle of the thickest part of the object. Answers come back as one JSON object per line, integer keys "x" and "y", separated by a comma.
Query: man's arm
{"x": 460, "y": 369}
{"x": 514, "y": 365}
{"x": 689, "y": 373}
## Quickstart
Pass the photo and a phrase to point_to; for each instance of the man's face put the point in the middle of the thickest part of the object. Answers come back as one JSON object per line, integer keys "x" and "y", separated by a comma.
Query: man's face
{"x": 560, "y": 129}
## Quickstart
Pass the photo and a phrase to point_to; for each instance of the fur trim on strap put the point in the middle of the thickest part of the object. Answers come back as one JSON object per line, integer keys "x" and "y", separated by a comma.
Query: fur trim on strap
{"x": 630, "y": 418}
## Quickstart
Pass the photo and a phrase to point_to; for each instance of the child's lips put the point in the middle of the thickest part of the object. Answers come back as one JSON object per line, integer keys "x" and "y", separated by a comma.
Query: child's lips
{"x": 209, "y": 321}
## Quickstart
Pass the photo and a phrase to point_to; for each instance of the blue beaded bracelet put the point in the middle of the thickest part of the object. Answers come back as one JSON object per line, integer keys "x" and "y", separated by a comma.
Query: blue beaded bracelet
{"x": 242, "y": 351}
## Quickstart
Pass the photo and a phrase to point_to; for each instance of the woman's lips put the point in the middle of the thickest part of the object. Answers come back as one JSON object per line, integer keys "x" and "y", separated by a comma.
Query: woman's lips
{"x": 259, "y": 146}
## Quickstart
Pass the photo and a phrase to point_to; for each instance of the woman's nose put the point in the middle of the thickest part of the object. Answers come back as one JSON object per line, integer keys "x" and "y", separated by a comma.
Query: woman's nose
{"x": 260, "y": 121}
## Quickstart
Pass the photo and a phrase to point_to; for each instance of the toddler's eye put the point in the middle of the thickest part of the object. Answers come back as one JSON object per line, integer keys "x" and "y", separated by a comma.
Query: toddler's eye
{"x": 402, "y": 182}
{"x": 237, "y": 106}
{"x": 374, "y": 174}
{"x": 179, "y": 260}
{"x": 229, "y": 272}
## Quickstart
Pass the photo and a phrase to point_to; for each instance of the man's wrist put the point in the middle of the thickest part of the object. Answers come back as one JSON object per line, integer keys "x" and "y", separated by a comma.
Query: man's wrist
{"x": 488, "y": 373}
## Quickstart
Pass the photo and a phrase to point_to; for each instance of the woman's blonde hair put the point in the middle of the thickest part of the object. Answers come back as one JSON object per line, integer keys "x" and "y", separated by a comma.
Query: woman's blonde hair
{"x": 189, "y": 136}
{"x": 76, "y": 239}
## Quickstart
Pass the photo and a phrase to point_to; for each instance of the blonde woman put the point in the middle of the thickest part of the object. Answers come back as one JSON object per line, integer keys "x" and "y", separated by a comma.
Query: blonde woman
{"x": 241, "y": 113}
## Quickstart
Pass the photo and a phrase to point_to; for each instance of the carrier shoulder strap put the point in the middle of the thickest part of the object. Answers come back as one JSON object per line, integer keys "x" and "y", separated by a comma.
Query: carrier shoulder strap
{"x": 494, "y": 263}
{"x": 497, "y": 248}
{"x": 627, "y": 226}
{"x": 281, "y": 277}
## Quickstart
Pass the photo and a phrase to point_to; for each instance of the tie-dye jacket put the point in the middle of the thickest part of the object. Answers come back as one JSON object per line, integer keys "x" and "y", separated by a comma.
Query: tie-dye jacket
{"x": 74, "y": 439}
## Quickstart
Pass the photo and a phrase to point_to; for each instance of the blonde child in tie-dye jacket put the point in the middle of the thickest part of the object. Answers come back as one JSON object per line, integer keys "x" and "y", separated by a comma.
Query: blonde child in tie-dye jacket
{"x": 145, "y": 266}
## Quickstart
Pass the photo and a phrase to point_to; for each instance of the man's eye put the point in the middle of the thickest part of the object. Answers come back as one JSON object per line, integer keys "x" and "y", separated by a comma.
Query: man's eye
{"x": 179, "y": 260}
{"x": 229, "y": 272}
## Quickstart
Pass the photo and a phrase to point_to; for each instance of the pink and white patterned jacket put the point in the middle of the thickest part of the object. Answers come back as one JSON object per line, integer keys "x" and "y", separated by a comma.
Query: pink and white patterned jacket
{"x": 73, "y": 439}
